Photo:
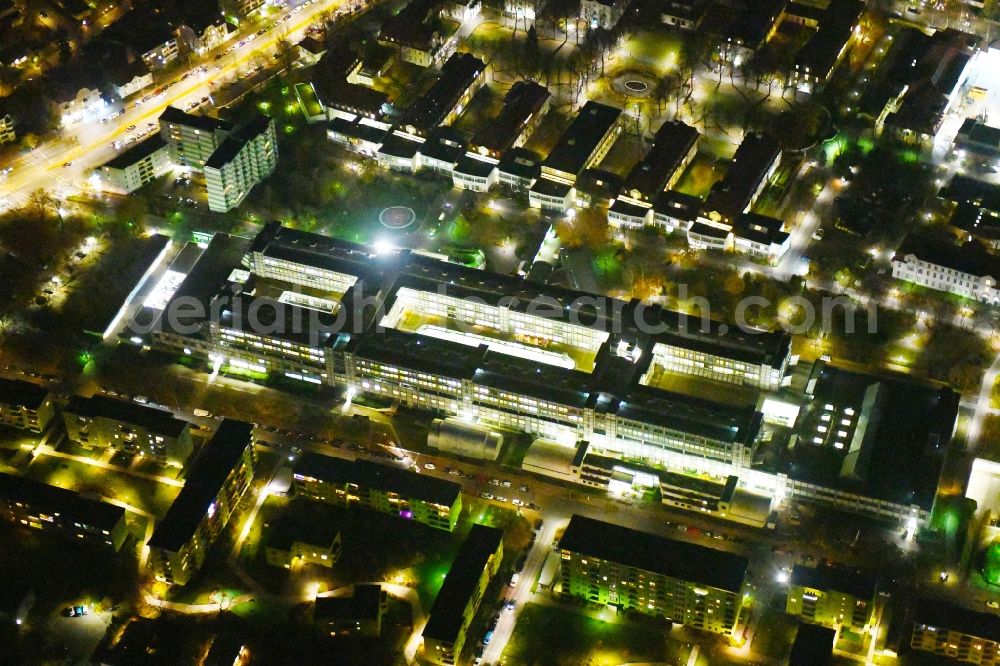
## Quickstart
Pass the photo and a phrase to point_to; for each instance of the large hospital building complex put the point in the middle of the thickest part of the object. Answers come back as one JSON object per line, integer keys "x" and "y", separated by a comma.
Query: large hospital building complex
{"x": 498, "y": 350}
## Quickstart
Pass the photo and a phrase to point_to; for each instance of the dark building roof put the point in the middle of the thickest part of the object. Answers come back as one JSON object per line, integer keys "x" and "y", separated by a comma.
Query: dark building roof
{"x": 70, "y": 506}
{"x": 22, "y": 393}
{"x": 930, "y": 77}
{"x": 138, "y": 152}
{"x": 963, "y": 189}
{"x": 411, "y": 26}
{"x": 976, "y": 221}
{"x": 971, "y": 257}
{"x": 372, "y": 475}
{"x": 678, "y": 205}
{"x": 730, "y": 196}
{"x": 142, "y": 29}
{"x": 155, "y": 420}
{"x": 218, "y": 457}
{"x": 649, "y": 552}
{"x": 859, "y": 584}
{"x": 521, "y": 162}
{"x": 523, "y": 101}
{"x": 203, "y": 282}
{"x": 445, "y": 144}
{"x": 473, "y": 166}
{"x": 672, "y": 143}
{"x": 457, "y": 76}
{"x": 943, "y": 615}
{"x": 225, "y": 650}
{"x": 304, "y": 521}
{"x": 906, "y": 436}
{"x": 975, "y": 135}
{"x": 447, "y": 613}
{"x": 65, "y": 82}
{"x": 823, "y": 49}
{"x": 256, "y": 125}
{"x": 813, "y": 646}
{"x": 364, "y": 604}
{"x": 760, "y": 229}
{"x": 175, "y": 116}
{"x": 747, "y": 24}
{"x": 582, "y": 137}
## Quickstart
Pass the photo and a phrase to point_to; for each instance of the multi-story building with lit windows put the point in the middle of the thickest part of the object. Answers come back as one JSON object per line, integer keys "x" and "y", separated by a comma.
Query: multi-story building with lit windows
{"x": 832, "y": 596}
{"x": 25, "y": 406}
{"x": 477, "y": 561}
{"x": 956, "y": 633}
{"x": 137, "y": 166}
{"x": 52, "y": 509}
{"x": 214, "y": 485}
{"x": 391, "y": 490}
{"x": 246, "y": 157}
{"x": 688, "y": 584}
{"x": 970, "y": 271}
{"x": 191, "y": 139}
{"x": 106, "y": 423}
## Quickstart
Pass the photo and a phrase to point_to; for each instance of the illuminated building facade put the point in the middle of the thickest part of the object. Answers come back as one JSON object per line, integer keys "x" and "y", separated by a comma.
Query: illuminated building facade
{"x": 689, "y": 584}
{"x": 398, "y": 492}
{"x": 215, "y": 483}
{"x": 495, "y": 350}
{"x": 956, "y": 633}
{"x": 52, "y": 509}
{"x": 25, "y": 406}
{"x": 832, "y": 596}
{"x": 105, "y": 423}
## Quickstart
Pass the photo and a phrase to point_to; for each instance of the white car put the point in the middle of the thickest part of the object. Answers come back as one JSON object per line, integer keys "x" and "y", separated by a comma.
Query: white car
{"x": 517, "y": 502}
{"x": 430, "y": 466}
{"x": 514, "y": 579}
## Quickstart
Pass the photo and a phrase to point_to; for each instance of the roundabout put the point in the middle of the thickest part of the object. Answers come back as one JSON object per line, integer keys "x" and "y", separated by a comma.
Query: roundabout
{"x": 634, "y": 84}
{"x": 397, "y": 217}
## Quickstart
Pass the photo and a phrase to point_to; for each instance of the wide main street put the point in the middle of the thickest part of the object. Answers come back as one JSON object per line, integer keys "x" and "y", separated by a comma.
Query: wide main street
{"x": 88, "y": 144}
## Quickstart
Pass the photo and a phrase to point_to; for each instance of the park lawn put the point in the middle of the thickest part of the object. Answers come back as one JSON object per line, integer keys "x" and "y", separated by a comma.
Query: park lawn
{"x": 553, "y": 635}
{"x": 657, "y": 49}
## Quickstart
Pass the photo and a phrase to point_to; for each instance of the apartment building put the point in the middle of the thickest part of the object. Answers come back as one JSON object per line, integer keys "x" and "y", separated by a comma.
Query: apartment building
{"x": 191, "y": 139}
{"x": 461, "y": 76}
{"x": 970, "y": 270}
{"x": 398, "y": 492}
{"x": 25, "y": 406}
{"x": 106, "y": 423}
{"x": 825, "y": 49}
{"x": 357, "y": 615}
{"x": 832, "y": 596}
{"x": 955, "y": 633}
{"x": 524, "y": 106}
{"x": 246, "y": 157}
{"x": 603, "y": 14}
{"x": 688, "y": 584}
{"x": 59, "y": 511}
{"x": 214, "y": 486}
{"x": 584, "y": 143}
{"x": 477, "y": 562}
{"x": 684, "y": 14}
{"x": 139, "y": 165}
{"x": 303, "y": 533}
{"x": 674, "y": 146}
{"x": 755, "y": 161}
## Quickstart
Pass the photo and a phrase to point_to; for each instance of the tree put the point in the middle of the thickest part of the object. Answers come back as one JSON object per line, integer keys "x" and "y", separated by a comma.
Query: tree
{"x": 588, "y": 228}
{"x": 42, "y": 204}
